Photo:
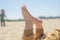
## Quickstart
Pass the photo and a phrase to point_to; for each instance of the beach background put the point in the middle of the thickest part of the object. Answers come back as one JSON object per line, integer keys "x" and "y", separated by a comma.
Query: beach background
{"x": 14, "y": 29}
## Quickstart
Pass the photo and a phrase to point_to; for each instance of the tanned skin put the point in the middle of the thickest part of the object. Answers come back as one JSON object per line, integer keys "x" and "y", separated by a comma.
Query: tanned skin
{"x": 30, "y": 20}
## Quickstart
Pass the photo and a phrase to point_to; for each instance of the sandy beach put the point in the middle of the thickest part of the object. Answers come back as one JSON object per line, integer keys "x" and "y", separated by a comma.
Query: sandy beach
{"x": 14, "y": 30}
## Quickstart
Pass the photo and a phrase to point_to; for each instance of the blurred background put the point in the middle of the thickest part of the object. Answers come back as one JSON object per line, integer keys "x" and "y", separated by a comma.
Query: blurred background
{"x": 37, "y": 8}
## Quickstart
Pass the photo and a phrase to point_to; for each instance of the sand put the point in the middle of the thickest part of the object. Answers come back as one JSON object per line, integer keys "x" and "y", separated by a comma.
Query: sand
{"x": 14, "y": 30}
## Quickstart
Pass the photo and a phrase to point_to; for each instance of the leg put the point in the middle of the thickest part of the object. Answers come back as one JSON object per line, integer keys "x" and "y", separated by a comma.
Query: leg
{"x": 39, "y": 30}
{"x": 1, "y": 23}
{"x": 28, "y": 31}
{"x": 4, "y": 23}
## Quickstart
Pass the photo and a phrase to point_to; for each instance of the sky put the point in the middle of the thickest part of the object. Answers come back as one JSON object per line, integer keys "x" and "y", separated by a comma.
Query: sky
{"x": 35, "y": 7}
